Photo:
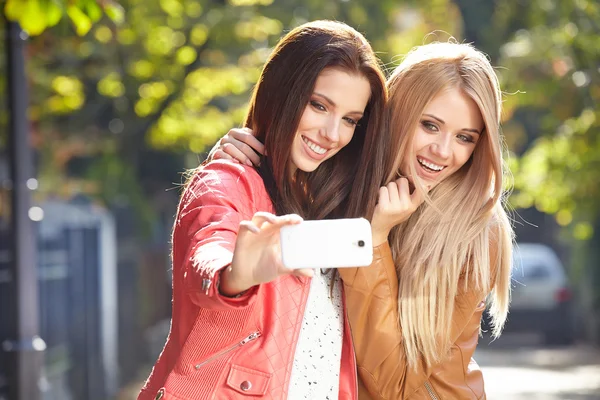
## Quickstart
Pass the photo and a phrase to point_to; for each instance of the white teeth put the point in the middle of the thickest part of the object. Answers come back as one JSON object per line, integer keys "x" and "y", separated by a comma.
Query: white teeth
{"x": 314, "y": 147}
{"x": 430, "y": 165}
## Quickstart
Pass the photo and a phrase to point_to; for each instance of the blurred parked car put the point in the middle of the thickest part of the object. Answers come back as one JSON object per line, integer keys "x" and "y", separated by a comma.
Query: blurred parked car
{"x": 541, "y": 297}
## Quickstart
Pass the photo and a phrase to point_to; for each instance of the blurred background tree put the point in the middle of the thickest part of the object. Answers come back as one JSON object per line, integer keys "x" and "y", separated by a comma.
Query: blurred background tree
{"x": 126, "y": 95}
{"x": 120, "y": 92}
{"x": 549, "y": 53}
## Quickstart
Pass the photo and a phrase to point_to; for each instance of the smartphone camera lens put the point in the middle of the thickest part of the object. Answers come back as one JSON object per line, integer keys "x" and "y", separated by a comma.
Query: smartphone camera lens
{"x": 361, "y": 243}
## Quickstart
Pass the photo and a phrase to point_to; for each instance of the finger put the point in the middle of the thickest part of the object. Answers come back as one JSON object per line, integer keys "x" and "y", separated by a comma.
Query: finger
{"x": 262, "y": 217}
{"x": 292, "y": 218}
{"x": 221, "y": 155}
{"x": 394, "y": 193}
{"x": 246, "y": 136}
{"x": 248, "y": 151}
{"x": 268, "y": 223}
{"x": 248, "y": 226}
{"x": 236, "y": 153}
{"x": 279, "y": 222}
{"x": 233, "y": 131}
{"x": 403, "y": 188}
{"x": 309, "y": 273}
{"x": 215, "y": 148}
{"x": 384, "y": 197}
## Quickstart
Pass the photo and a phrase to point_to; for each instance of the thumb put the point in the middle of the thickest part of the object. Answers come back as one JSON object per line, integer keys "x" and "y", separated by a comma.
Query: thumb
{"x": 306, "y": 272}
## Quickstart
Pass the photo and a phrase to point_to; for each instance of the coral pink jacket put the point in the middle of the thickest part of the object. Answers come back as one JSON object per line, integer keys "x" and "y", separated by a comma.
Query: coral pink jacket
{"x": 229, "y": 348}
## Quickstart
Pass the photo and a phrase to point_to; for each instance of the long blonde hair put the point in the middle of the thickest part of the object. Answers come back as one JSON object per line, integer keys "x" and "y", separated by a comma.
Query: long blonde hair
{"x": 461, "y": 236}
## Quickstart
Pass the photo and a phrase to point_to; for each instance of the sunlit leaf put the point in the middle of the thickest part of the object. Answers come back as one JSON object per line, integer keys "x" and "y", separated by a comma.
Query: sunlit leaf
{"x": 239, "y": 3}
{"x": 172, "y": 7}
{"x": 103, "y": 34}
{"x": 186, "y": 55}
{"x": 111, "y": 86}
{"x": 126, "y": 36}
{"x": 82, "y": 22}
{"x": 33, "y": 19}
{"x": 66, "y": 85}
{"x": 199, "y": 34}
{"x": 193, "y": 9}
{"x": 583, "y": 231}
{"x": 54, "y": 13}
{"x": 115, "y": 12}
{"x": 13, "y": 9}
{"x": 142, "y": 69}
{"x": 93, "y": 10}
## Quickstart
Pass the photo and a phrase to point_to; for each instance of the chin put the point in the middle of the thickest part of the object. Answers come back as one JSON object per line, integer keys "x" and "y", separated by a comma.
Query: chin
{"x": 307, "y": 165}
{"x": 308, "y": 169}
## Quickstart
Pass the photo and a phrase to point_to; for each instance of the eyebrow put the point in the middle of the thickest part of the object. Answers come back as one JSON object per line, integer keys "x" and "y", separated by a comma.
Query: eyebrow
{"x": 361, "y": 113}
{"x": 442, "y": 122}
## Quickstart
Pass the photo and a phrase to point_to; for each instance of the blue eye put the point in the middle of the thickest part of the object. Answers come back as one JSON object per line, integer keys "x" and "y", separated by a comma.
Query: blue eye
{"x": 429, "y": 126}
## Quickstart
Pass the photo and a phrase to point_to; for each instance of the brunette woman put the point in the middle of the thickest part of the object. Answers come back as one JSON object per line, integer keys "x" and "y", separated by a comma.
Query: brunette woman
{"x": 242, "y": 324}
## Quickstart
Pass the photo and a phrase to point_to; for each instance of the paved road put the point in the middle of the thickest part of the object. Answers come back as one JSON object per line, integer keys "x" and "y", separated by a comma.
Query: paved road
{"x": 519, "y": 368}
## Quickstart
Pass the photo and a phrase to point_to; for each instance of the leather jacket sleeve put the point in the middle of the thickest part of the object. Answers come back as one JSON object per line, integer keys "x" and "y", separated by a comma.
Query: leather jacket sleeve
{"x": 372, "y": 301}
{"x": 215, "y": 201}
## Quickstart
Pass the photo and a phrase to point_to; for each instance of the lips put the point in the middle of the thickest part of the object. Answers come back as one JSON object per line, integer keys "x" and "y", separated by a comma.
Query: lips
{"x": 313, "y": 146}
{"x": 313, "y": 150}
{"x": 429, "y": 165}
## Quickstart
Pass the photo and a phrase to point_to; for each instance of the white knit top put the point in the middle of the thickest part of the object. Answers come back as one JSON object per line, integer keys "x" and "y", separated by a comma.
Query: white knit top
{"x": 316, "y": 369}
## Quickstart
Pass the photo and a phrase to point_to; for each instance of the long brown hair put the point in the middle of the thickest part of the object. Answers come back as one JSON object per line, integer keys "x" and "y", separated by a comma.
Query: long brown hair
{"x": 460, "y": 238}
{"x": 278, "y": 101}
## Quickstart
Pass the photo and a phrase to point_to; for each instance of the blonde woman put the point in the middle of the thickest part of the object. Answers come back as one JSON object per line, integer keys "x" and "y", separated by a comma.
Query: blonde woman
{"x": 419, "y": 306}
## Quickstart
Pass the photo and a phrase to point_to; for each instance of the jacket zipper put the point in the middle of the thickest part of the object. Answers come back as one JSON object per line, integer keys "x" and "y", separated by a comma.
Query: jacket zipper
{"x": 247, "y": 339}
{"x": 430, "y": 391}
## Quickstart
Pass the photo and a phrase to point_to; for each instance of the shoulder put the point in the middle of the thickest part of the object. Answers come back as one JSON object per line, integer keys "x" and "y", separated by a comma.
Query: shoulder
{"x": 226, "y": 178}
{"x": 226, "y": 174}
{"x": 224, "y": 183}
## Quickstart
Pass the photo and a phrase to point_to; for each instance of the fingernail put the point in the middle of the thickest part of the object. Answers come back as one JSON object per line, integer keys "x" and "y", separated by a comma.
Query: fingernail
{"x": 248, "y": 163}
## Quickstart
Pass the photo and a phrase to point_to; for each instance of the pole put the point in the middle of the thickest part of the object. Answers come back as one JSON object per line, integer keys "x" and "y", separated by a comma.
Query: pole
{"x": 23, "y": 347}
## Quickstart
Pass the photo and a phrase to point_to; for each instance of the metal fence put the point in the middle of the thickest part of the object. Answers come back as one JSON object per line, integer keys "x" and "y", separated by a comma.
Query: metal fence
{"x": 77, "y": 279}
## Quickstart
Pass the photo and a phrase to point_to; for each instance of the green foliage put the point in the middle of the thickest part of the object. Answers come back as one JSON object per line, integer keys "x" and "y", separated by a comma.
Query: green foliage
{"x": 174, "y": 75}
{"x": 552, "y": 70}
{"x": 35, "y": 16}
{"x": 169, "y": 75}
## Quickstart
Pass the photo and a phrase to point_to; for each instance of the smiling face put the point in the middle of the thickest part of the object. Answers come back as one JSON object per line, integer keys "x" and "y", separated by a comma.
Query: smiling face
{"x": 445, "y": 137}
{"x": 327, "y": 125}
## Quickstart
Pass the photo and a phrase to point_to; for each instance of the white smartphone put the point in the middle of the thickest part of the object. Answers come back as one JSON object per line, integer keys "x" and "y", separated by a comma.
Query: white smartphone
{"x": 332, "y": 243}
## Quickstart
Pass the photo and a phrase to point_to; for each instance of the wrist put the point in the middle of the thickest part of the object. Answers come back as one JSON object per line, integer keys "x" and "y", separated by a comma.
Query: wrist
{"x": 231, "y": 284}
{"x": 379, "y": 238}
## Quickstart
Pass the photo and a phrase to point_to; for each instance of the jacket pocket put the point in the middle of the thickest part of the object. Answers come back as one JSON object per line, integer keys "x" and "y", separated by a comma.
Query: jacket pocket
{"x": 248, "y": 381}
{"x": 235, "y": 346}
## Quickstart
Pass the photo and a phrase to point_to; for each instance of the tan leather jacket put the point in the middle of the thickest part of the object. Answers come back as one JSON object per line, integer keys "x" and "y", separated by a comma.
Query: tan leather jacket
{"x": 372, "y": 303}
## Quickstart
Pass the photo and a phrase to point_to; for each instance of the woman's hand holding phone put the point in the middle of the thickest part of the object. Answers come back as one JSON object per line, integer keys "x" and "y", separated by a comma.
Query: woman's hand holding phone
{"x": 395, "y": 205}
{"x": 238, "y": 145}
{"x": 257, "y": 254}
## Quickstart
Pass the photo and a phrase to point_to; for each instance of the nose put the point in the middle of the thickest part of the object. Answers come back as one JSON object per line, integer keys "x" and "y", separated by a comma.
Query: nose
{"x": 331, "y": 130}
{"x": 442, "y": 146}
